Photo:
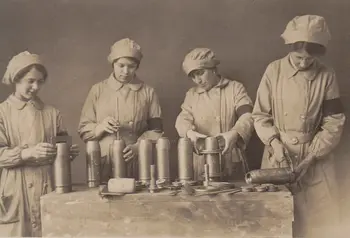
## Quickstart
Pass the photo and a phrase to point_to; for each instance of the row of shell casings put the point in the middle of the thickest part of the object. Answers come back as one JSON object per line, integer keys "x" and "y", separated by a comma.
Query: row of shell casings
{"x": 119, "y": 165}
{"x": 145, "y": 160}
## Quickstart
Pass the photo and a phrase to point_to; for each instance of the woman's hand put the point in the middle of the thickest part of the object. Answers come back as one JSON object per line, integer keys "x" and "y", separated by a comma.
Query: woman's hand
{"x": 130, "y": 152}
{"x": 40, "y": 153}
{"x": 279, "y": 156}
{"x": 74, "y": 151}
{"x": 109, "y": 125}
{"x": 230, "y": 139}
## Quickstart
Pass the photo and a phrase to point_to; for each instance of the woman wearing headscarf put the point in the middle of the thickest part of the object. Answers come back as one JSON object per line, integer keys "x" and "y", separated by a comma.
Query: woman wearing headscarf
{"x": 121, "y": 103}
{"x": 26, "y": 156}
{"x": 298, "y": 115}
{"x": 215, "y": 107}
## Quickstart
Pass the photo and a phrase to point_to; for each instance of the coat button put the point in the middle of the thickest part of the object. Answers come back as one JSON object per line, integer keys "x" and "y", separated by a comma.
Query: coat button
{"x": 295, "y": 141}
{"x": 30, "y": 185}
{"x": 286, "y": 113}
{"x": 217, "y": 118}
{"x": 302, "y": 117}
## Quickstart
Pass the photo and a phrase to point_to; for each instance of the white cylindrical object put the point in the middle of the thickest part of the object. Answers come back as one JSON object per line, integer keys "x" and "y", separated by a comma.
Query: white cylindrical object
{"x": 121, "y": 185}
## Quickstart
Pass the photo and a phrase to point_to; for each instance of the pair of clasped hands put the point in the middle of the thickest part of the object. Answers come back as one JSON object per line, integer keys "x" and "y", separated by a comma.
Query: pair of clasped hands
{"x": 280, "y": 158}
{"x": 227, "y": 140}
{"x": 44, "y": 153}
{"x": 111, "y": 126}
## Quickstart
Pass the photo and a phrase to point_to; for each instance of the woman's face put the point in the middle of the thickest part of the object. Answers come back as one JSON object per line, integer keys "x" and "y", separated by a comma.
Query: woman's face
{"x": 204, "y": 78}
{"x": 301, "y": 59}
{"x": 125, "y": 69}
{"x": 29, "y": 85}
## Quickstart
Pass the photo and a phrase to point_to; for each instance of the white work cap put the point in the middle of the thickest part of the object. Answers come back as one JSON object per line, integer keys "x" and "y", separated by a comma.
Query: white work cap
{"x": 199, "y": 58}
{"x": 307, "y": 28}
{"x": 125, "y": 48}
{"x": 19, "y": 62}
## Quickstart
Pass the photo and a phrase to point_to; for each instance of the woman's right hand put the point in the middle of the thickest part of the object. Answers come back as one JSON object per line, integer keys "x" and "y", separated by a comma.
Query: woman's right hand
{"x": 278, "y": 153}
{"x": 39, "y": 153}
{"x": 109, "y": 125}
{"x": 194, "y": 137}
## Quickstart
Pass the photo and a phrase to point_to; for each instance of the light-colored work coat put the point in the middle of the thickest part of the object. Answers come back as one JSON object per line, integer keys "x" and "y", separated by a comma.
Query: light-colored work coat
{"x": 134, "y": 105}
{"x": 21, "y": 185}
{"x": 225, "y": 107}
{"x": 303, "y": 110}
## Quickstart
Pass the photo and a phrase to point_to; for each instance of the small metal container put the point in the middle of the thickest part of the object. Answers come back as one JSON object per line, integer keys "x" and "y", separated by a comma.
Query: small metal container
{"x": 93, "y": 163}
{"x": 185, "y": 159}
{"x": 163, "y": 162}
{"x": 62, "y": 169}
{"x": 276, "y": 176}
{"x": 145, "y": 160}
{"x": 117, "y": 158}
{"x": 213, "y": 158}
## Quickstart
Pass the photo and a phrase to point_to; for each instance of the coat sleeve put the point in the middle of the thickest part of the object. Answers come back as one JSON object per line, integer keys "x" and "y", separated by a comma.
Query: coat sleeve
{"x": 185, "y": 121}
{"x": 88, "y": 121}
{"x": 155, "y": 113}
{"x": 9, "y": 156}
{"x": 243, "y": 107}
{"x": 154, "y": 121}
{"x": 332, "y": 123}
{"x": 262, "y": 111}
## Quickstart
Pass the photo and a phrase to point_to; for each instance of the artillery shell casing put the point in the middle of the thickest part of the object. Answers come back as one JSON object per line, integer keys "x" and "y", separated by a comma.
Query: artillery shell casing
{"x": 163, "y": 162}
{"x": 93, "y": 163}
{"x": 145, "y": 159}
{"x": 62, "y": 169}
{"x": 276, "y": 176}
{"x": 117, "y": 159}
{"x": 185, "y": 159}
{"x": 213, "y": 160}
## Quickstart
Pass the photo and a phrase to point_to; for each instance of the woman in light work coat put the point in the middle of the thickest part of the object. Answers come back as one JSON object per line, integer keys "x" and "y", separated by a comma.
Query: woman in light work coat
{"x": 215, "y": 106}
{"x": 26, "y": 156}
{"x": 298, "y": 115}
{"x": 123, "y": 103}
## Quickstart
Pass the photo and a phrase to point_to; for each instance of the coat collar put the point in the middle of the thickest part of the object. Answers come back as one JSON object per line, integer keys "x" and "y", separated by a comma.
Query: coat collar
{"x": 290, "y": 70}
{"x": 222, "y": 83}
{"x": 135, "y": 84}
{"x": 19, "y": 104}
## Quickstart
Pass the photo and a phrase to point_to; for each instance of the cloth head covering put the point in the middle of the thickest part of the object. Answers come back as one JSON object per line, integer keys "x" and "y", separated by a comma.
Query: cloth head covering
{"x": 125, "y": 48}
{"x": 19, "y": 62}
{"x": 199, "y": 58}
{"x": 308, "y": 28}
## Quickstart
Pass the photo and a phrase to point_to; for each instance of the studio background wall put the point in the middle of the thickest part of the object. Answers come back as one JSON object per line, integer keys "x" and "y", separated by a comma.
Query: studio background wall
{"x": 74, "y": 38}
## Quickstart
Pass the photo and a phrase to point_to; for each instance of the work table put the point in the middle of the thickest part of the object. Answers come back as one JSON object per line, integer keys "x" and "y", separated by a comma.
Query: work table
{"x": 84, "y": 212}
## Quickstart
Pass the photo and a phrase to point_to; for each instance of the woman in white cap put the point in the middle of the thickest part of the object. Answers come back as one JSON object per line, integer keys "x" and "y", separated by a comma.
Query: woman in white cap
{"x": 298, "y": 115}
{"x": 216, "y": 106}
{"x": 26, "y": 156}
{"x": 122, "y": 103}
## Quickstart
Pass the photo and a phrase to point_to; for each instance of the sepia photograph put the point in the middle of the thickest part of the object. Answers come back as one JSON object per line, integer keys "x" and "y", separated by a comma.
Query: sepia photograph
{"x": 175, "y": 118}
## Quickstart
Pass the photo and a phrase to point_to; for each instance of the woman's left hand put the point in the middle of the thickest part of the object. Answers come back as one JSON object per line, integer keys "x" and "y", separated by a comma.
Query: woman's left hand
{"x": 229, "y": 139}
{"x": 130, "y": 152}
{"x": 74, "y": 151}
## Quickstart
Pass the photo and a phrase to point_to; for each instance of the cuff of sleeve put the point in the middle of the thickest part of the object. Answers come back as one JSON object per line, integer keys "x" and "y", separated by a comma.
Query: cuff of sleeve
{"x": 272, "y": 138}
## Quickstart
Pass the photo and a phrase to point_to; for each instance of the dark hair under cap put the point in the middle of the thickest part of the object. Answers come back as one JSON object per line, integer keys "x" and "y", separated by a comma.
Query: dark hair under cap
{"x": 25, "y": 70}
{"x": 313, "y": 49}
